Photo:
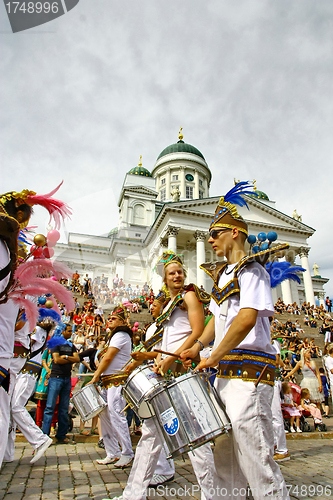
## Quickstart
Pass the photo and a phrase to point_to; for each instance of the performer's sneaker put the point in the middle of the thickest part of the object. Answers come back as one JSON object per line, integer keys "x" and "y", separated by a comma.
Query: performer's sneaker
{"x": 281, "y": 457}
{"x": 39, "y": 452}
{"x": 159, "y": 479}
{"x": 108, "y": 460}
{"x": 124, "y": 461}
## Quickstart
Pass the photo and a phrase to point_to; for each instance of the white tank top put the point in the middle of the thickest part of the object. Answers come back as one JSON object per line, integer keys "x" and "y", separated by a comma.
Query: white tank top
{"x": 176, "y": 329}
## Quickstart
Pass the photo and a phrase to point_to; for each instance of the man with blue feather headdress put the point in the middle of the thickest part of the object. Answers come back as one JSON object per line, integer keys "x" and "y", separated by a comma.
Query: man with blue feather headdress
{"x": 241, "y": 305}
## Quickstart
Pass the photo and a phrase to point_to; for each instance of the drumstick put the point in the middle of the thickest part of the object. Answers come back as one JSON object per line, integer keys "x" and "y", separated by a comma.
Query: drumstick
{"x": 260, "y": 376}
{"x": 167, "y": 353}
{"x": 130, "y": 360}
{"x": 127, "y": 406}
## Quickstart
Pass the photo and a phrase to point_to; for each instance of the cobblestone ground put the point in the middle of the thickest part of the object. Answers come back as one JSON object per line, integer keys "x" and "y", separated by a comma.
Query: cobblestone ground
{"x": 70, "y": 472}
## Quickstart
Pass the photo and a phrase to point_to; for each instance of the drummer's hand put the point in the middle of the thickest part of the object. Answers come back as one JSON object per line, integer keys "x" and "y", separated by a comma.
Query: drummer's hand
{"x": 164, "y": 365}
{"x": 139, "y": 356}
{"x": 93, "y": 380}
{"x": 206, "y": 363}
{"x": 129, "y": 368}
{"x": 189, "y": 354}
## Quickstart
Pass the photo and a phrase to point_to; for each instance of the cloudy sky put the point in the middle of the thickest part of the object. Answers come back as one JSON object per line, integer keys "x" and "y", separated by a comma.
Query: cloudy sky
{"x": 250, "y": 83}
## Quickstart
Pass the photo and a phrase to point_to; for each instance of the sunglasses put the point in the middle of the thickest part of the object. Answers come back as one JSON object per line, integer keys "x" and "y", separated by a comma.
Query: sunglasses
{"x": 215, "y": 232}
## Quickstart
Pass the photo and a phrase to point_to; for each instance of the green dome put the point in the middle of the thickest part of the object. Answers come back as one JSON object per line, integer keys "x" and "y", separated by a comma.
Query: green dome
{"x": 181, "y": 147}
{"x": 140, "y": 171}
{"x": 259, "y": 195}
{"x": 113, "y": 231}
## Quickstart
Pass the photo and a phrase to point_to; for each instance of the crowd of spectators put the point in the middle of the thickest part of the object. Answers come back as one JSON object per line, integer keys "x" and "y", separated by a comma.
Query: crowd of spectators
{"x": 98, "y": 288}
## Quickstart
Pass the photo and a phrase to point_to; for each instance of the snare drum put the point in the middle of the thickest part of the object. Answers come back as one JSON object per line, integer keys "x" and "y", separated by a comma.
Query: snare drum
{"x": 138, "y": 387}
{"x": 88, "y": 402}
{"x": 189, "y": 413}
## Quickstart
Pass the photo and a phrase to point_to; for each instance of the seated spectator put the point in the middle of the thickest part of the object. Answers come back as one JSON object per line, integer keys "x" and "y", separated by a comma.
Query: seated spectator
{"x": 312, "y": 323}
{"x": 79, "y": 340}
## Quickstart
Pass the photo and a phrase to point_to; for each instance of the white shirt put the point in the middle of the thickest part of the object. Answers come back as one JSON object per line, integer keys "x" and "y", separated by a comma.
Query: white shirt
{"x": 8, "y": 310}
{"x": 121, "y": 341}
{"x": 255, "y": 293}
{"x": 150, "y": 332}
{"x": 329, "y": 366}
{"x": 22, "y": 335}
{"x": 176, "y": 329}
{"x": 39, "y": 336}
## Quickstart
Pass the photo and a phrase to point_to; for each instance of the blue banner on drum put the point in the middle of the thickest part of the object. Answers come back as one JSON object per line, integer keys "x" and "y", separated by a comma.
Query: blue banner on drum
{"x": 170, "y": 421}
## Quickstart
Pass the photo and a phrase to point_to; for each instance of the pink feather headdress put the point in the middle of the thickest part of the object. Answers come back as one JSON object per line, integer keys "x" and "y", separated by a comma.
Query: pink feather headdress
{"x": 57, "y": 209}
{"x": 32, "y": 279}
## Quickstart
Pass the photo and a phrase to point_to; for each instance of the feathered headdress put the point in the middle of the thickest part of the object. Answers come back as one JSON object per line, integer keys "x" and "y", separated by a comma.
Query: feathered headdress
{"x": 32, "y": 279}
{"x": 57, "y": 209}
{"x": 165, "y": 259}
{"x": 280, "y": 271}
{"x": 226, "y": 214}
{"x": 162, "y": 295}
{"x": 57, "y": 337}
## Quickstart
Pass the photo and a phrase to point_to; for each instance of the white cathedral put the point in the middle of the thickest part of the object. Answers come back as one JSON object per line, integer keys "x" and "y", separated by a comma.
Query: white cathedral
{"x": 170, "y": 208}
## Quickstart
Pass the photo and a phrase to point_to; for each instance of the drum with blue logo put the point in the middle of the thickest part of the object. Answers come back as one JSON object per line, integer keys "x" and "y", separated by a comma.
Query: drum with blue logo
{"x": 189, "y": 413}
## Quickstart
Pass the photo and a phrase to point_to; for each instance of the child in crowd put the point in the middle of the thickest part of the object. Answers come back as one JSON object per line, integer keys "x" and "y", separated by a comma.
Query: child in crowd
{"x": 310, "y": 407}
{"x": 290, "y": 407}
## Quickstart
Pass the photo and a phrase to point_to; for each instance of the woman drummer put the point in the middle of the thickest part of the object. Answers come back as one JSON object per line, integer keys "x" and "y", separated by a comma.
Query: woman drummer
{"x": 113, "y": 421}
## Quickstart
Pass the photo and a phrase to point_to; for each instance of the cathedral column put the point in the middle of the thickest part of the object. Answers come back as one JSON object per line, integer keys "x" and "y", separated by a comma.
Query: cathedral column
{"x": 322, "y": 299}
{"x": 196, "y": 185}
{"x": 172, "y": 238}
{"x": 285, "y": 288}
{"x": 308, "y": 287}
{"x": 120, "y": 267}
{"x": 200, "y": 237}
{"x": 168, "y": 184}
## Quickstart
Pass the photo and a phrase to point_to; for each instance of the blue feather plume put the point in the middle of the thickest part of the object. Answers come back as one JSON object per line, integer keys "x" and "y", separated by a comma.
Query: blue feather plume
{"x": 234, "y": 195}
{"x": 55, "y": 341}
{"x": 49, "y": 313}
{"x": 280, "y": 271}
{"x": 57, "y": 338}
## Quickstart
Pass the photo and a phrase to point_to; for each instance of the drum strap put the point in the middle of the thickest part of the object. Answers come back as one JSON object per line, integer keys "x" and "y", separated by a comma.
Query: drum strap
{"x": 154, "y": 339}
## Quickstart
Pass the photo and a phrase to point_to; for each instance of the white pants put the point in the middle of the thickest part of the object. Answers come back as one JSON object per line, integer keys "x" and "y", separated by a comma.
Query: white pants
{"x": 146, "y": 456}
{"x": 24, "y": 386}
{"x": 164, "y": 467}
{"x": 4, "y": 412}
{"x": 280, "y": 441}
{"x": 248, "y": 456}
{"x": 114, "y": 425}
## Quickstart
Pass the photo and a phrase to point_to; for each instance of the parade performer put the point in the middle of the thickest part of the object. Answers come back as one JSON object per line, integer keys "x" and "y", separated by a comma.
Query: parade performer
{"x": 113, "y": 357}
{"x": 165, "y": 469}
{"x": 24, "y": 386}
{"x": 182, "y": 320}
{"x": 15, "y": 212}
{"x": 241, "y": 305}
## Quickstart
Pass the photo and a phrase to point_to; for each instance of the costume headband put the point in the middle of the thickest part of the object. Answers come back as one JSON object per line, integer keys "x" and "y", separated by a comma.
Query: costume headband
{"x": 120, "y": 312}
{"x": 167, "y": 258}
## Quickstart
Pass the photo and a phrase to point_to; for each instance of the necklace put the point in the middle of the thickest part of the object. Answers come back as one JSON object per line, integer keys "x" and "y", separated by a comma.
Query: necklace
{"x": 229, "y": 272}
